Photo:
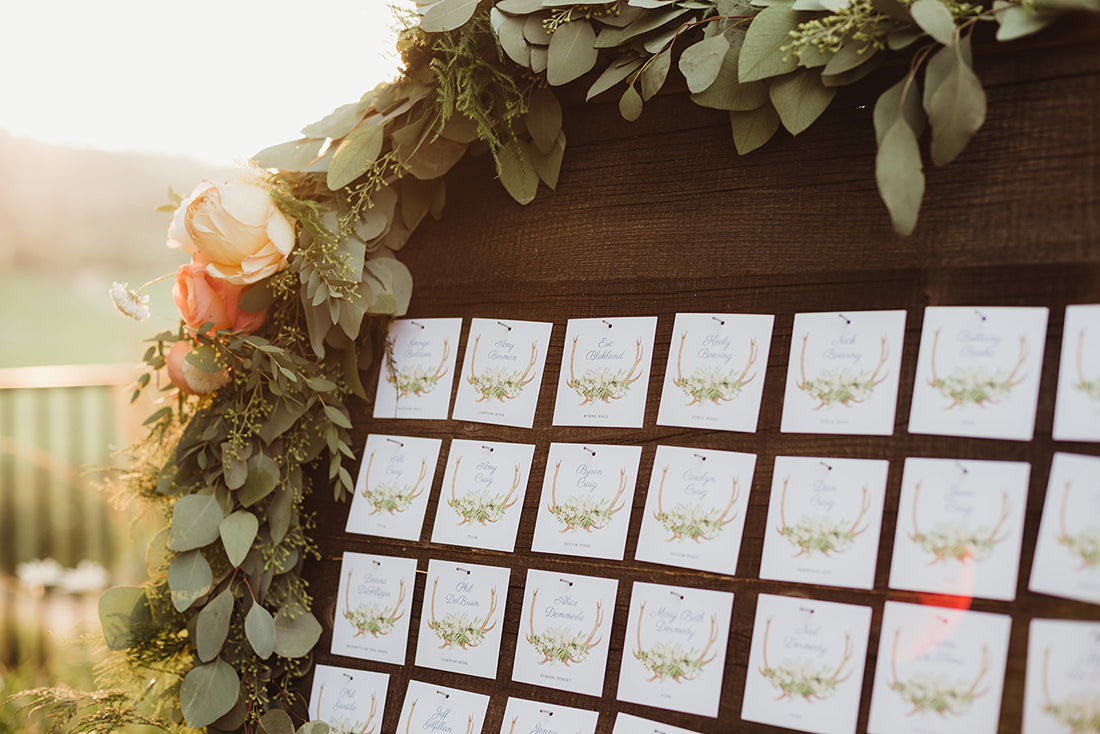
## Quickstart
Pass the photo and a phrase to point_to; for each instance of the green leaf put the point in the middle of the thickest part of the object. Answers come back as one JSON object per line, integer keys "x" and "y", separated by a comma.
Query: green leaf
{"x": 433, "y": 159}
{"x": 519, "y": 7}
{"x": 204, "y": 359}
{"x": 548, "y": 165}
{"x": 212, "y": 625}
{"x": 336, "y": 124}
{"x": 355, "y": 154}
{"x": 850, "y": 56}
{"x": 900, "y": 175}
{"x": 753, "y": 128}
{"x": 189, "y": 579}
{"x": 761, "y": 54}
{"x": 446, "y": 15}
{"x": 259, "y": 628}
{"x": 279, "y": 511}
{"x": 904, "y": 37}
{"x": 956, "y": 111}
{"x": 314, "y": 727}
{"x": 800, "y": 98}
{"x": 620, "y": 69}
{"x": 1016, "y": 21}
{"x": 195, "y": 521}
{"x": 728, "y": 93}
{"x": 263, "y": 474}
{"x": 896, "y": 9}
{"x": 337, "y": 416}
{"x": 283, "y": 415}
{"x": 256, "y": 298}
{"x": 125, "y": 616}
{"x": 320, "y": 384}
{"x": 611, "y": 37}
{"x": 296, "y": 632}
{"x": 890, "y": 105}
{"x": 509, "y": 32}
{"x": 544, "y": 119}
{"x": 935, "y": 19}
{"x": 208, "y": 692}
{"x": 572, "y": 52}
{"x": 400, "y": 283}
{"x": 290, "y": 156}
{"x": 238, "y": 532}
{"x": 517, "y": 174}
{"x": 630, "y": 104}
{"x": 701, "y": 62}
{"x": 653, "y": 74}
{"x": 276, "y": 721}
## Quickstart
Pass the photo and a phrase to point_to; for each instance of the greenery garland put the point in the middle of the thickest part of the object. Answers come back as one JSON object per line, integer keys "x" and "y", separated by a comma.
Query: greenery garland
{"x": 261, "y": 368}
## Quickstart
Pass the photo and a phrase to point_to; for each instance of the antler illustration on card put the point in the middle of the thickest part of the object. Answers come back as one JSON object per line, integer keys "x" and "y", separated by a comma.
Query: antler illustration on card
{"x": 802, "y": 678}
{"x": 1091, "y": 388}
{"x": 604, "y": 384}
{"x": 415, "y": 379}
{"x": 500, "y": 383}
{"x": 585, "y": 512}
{"x": 955, "y": 543}
{"x": 560, "y": 644}
{"x": 1084, "y": 545}
{"x": 821, "y": 533}
{"x": 339, "y": 725}
{"x": 694, "y": 521}
{"x": 388, "y": 496}
{"x": 965, "y": 386}
{"x": 481, "y": 506}
{"x": 843, "y": 385}
{"x": 710, "y": 384}
{"x": 1078, "y": 712}
{"x": 671, "y": 659}
{"x": 459, "y": 629}
{"x": 370, "y": 618}
{"x": 935, "y": 693}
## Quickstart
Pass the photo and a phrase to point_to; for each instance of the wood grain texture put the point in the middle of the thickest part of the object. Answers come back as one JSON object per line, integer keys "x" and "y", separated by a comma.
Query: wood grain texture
{"x": 660, "y": 217}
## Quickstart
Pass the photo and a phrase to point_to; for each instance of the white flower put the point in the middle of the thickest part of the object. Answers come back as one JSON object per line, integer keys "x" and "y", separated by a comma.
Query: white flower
{"x": 39, "y": 574}
{"x": 128, "y": 302}
{"x": 87, "y": 577}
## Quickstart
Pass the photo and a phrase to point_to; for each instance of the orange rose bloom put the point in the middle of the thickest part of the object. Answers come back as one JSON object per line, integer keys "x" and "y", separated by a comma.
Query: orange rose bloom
{"x": 201, "y": 297}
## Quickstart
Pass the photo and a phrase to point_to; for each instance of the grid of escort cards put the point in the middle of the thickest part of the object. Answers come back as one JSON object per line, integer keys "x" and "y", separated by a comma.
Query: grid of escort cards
{"x": 959, "y": 524}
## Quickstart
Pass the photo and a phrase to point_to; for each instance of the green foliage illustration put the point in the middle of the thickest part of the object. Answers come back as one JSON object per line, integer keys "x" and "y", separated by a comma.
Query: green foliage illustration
{"x": 928, "y": 693}
{"x": 709, "y": 385}
{"x": 695, "y": 521}
{"x": 950, "y": 543}
{"x": 586, "y": 512}
{"x": 1091, "y": 388}
{"x": 842, "y": 386}
{"x": 371, "y": 619}
{"x": 561, "y": 644}
{"x": 821, "y": 534}
{"x": 1078, "y": 712}
{"x": 457, "y": 628}
{"x": 604, "y": 384}
{"x": 500, "y": 384}
{"x": 388, "y": 496}
{"x": 341, "y": 725}
{"x": 415, "y": 379}
{"x": 973, "y": 387}
{"x": 672, "y": 660}
{"x": 1084, "y": 545}
{"x": 802, "y": 679}
{"x": 482, "y": 506}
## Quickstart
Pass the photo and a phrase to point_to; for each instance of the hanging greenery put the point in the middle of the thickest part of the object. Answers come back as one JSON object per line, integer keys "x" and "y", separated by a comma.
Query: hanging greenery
{"x": 293, "y": 277}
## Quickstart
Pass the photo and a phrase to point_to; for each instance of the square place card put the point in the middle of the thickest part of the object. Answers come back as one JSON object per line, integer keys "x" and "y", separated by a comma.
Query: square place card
{"x": 960, "y": 527}
{"x": 630, "y": 724}
{"x": 675, "y": 649}
{"x": 587, "y": 495}
{"x": 695, "y": 508}
{"x": 1077, "y": 407}
{"x": 532, "y": 717}
{"x": 939, "y": 671}
{"x": 502, "y": 372}
{"x": 806, "y": 664}
{"x": 1067, "y": 552}
{"x": 978, "y": 372}
{"x": 418, "y": 369}
{"x": 461, "y": 618}
{"x": 715, "y": 374}
{"x": 346, "y": 699}
{"x": 435, "y": 709}
{"x": 842, "y": 376}
{"x": 372, "y": 607}
{"x": 824, "y": 518}
{"x": 391, "y": 492}
{"x": 604, "y": 375}
{"x": 565, "y": 631}
{"x": 1062, "y": 689}
{"x": 482, "y": 497}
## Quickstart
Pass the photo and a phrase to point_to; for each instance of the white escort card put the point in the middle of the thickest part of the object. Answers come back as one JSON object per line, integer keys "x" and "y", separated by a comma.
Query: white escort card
{"x": 960, "y": 527}
{"x": 348, "y": 700}
{"x": 1077, "y": 408}
{"x": 1062, "y": 691}
{"x": 418, "y": 369}
{"x": 715, "y": 374}
{"x": 565, "y": 631}
{"x": 824, "y": 518}
{"x": 939, "y": 671}
{"x": 482, "y": 497}
{"x": 531, "y": 717}
{"x": 843, "y": 373}
{"x": 461, "y": 618}
{"x": 675, "y": 649}
{"x": 435, "y": 709}
{"x": 587, "y": 495}
{"x": 806, "y": 664}
{"x": 695, "y": 508}
{"x": 978, "y": 372}
{"x": 1067, "y": 551}
{"x": 391, "y": 492}
{"x": 630, "y": 724}
{"x": 372, "y": 607}
{"x": 502, "y": 372}
{"x": 604, "y": 375}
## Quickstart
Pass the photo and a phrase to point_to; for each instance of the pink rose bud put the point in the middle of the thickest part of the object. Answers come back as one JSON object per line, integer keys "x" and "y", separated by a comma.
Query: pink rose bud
{"x": 201, "y": 297}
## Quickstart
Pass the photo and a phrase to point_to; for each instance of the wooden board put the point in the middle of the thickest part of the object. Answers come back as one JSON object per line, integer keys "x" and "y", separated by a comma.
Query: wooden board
{"x": 661, "y": 217}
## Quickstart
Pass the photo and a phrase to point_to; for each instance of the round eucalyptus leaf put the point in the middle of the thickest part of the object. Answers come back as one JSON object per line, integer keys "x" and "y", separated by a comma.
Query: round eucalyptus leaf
{"x": 238, "y": 531}
{"x": 195, "y": 521}
{"x": 259, "y": 627}
{"x": 572, "y": 52}
{"x": 208, "y": 692}
{"x": 701, "y": 62}
{"x": 762, "y": 53}
{"x": 213, "y": 625}
{"x": 314, "y": 727}
{"x": 276, "y": 721}
{"x": 296, "y": 632}
{"x": 125, "y": 616}
{"x": 189, "y": 578}
{"x": 263, "y": 474}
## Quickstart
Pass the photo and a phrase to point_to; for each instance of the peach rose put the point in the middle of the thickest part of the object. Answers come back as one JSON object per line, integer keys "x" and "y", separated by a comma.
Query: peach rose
{"x": 188, "y": 378}
{"x": 201, "y": 297}
{"x": 234, "y": 230}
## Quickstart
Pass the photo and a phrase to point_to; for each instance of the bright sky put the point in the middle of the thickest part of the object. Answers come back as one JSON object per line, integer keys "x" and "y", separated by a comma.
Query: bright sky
{"x": 217, "y": 80}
